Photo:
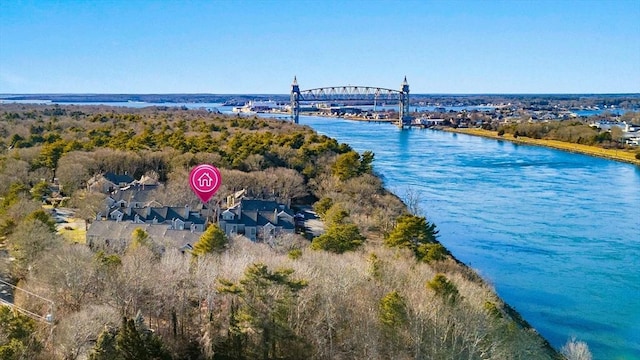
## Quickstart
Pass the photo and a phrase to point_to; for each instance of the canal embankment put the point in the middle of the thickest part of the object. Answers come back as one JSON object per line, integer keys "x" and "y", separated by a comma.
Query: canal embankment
{"x": 623, "y": 155}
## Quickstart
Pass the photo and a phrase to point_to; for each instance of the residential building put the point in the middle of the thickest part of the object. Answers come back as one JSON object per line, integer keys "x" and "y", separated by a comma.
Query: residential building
{"x": 258, "y": 220}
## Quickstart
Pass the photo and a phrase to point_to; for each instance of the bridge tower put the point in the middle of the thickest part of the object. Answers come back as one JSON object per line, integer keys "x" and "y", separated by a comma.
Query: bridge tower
{"x": 295, "y": 101}
{"x": 405, "y": 119}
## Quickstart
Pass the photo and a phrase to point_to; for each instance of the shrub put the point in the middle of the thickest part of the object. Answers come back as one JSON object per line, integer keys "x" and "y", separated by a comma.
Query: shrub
{"x": 339, "y": 238}
{"x": 294, "y": 254}
{"x": 444, "y": 288}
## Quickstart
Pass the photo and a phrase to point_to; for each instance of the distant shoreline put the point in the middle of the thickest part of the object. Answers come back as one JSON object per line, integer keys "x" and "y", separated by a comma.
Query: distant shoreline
{"x": 611, "y": 154}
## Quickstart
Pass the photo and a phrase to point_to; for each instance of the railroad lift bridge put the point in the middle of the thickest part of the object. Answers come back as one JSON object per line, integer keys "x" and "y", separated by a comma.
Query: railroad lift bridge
{"x": 353, "y": 94}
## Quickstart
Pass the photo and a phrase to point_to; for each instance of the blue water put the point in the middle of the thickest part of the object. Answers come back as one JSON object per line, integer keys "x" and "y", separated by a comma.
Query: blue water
{"x": 556, "y": 233}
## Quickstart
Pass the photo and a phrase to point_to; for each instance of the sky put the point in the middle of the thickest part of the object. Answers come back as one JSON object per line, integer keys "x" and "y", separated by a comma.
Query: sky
{"x": 258, "y": 46}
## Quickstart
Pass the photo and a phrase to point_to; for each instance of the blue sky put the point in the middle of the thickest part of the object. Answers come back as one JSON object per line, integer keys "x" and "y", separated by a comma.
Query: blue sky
{"x": 234, "y": 47}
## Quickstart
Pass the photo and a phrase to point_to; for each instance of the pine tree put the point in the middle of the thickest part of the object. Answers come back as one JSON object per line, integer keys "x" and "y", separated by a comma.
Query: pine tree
{"x": 129, "y": 344}
{"x": 105, "y": 348}
{"x": 139, "y": 238}
{"x": 213, "y": 239}
{"x": 393, "y": 310}
{"x": 419, "y": 235}
{"x": 265, "y": 301}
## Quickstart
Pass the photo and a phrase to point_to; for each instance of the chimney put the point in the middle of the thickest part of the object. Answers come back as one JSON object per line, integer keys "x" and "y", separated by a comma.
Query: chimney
{"x": 275, "y": 216}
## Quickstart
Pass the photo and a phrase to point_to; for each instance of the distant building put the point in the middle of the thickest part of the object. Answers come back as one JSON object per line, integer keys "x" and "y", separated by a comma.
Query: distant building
{"x": 133, "y": 196}
{"x": 108, "y": 182}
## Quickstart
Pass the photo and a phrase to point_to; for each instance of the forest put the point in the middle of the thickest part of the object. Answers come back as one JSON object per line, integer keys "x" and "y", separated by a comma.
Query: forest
{"x": 376, "y": 284}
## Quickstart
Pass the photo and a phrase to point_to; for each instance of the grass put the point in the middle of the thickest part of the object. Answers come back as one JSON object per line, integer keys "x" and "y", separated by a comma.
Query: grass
{"x": 623, "y": 155}
{"x": 73, "y": 230}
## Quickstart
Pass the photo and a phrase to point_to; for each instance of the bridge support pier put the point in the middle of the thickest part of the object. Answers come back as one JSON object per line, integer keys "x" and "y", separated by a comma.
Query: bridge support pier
{"x": 295, "y": 101}
{"x": 405, "y": 118}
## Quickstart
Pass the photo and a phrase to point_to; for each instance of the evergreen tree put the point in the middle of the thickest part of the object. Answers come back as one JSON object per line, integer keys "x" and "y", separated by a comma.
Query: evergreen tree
{"x": 129, "y": 343}
{"x": 17, "y": 336}
{"x": 105, "y": 348}
{"x": 322, "y": 206}
{"x": 339, "y": 238}
{"x": 393, "y": 310}
{"x": 347, "y": 166}
{"x": 139, "y": 238}
{"x": 213, "y": 239}
{"x": 43, "y": 217}
{"x": 266, "y": 299}
{"x": 444, "y": 288}
{"x": 419, "y": 235}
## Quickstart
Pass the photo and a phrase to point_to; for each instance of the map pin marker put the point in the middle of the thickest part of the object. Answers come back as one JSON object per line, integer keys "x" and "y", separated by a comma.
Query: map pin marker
{"x": 205, "y": 180}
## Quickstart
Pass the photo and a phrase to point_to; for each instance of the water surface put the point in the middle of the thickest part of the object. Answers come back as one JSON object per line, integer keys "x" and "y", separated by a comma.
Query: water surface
{"x": 556, "y": 233}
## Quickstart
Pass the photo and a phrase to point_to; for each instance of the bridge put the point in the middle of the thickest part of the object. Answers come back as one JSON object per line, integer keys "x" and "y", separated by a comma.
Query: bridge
{"x": 352, "y": 94}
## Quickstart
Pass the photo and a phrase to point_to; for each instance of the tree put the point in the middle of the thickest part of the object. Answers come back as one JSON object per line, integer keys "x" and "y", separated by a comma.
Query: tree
{"x": 267, "y": 298}
{"x": 133, "y": 343}
{"x": 129, "y": 343}
{"x": 392, "y": 313}
{"x": 29, "y": 240}
{"x": 393, "y": 310}
{"x": 88, "y": 203}
{"x": 70, "y": 289}
{"x": 444, "y": 288}
{"x": 616, "y": 134}
{"x": 105, "y": 348}
{"x": 412, "y": 198}
{"x": 40, "y": 190}
{"x": 366, "y": 162}
{"x": 576, "y": 350}
{"x": 76, "y": 333}
{"x": 431, "y": 252}
{"x": 213, "y": 239}
{"x": 322, "y": 205}
{"x": 139, "y": 238}
{"x": 50, "y": 155}
{"x": 339, "y": 238}
{"x": 74, "y": 168}
{"x": 44, "y": 218}
{"x": 347, "y": 166}
{"x": 335, "y": 215}
{"x": 413, "y": 232}
{"x": 17, "y": 339}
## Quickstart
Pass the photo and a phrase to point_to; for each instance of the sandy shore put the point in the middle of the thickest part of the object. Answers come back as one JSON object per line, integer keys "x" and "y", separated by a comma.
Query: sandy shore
{"x": 627, "y": 156}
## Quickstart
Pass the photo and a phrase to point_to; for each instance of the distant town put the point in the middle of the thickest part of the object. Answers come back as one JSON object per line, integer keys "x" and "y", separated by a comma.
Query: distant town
{"x": 601, "y": 111}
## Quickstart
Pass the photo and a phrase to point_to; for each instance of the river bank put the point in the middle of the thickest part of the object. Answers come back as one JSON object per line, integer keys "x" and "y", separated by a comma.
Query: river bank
{"x": 611, "y": 154}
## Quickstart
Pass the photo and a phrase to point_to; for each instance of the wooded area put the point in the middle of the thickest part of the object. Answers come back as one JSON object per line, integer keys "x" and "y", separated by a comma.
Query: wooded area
{"x": 376, "y": 285}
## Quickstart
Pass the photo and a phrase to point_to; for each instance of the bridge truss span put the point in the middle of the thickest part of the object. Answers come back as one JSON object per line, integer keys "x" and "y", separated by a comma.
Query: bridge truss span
{"x": 350, "y": 95}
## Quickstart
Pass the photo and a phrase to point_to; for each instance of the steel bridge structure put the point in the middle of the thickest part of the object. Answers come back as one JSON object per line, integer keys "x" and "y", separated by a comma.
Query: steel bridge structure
{"x": 352, "y": 94}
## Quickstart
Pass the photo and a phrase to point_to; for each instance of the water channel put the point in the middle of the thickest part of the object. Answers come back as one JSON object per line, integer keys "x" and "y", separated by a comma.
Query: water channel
{"x": 556, "y": 233}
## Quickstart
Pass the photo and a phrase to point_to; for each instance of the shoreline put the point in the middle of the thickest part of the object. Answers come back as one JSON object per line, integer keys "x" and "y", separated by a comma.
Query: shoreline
{"x": 610, "y": 154}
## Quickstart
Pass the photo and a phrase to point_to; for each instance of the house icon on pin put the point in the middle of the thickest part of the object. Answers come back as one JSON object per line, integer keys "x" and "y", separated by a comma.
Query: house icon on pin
{"x": 205, "y": 180}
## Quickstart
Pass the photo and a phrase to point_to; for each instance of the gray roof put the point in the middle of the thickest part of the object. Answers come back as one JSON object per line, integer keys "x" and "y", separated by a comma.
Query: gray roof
{"x": 118, "y": 178}
{"x": 122, "y": 231}
{"x": 261, "y": 212}
{"x": 136, "y": 193}
{"x": 162, "y": 214}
